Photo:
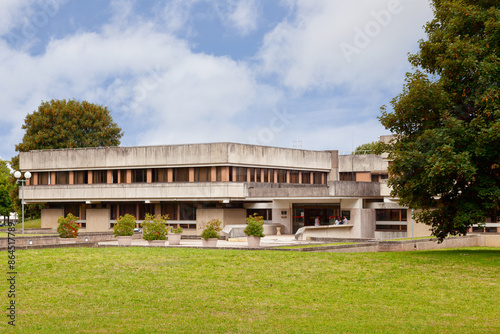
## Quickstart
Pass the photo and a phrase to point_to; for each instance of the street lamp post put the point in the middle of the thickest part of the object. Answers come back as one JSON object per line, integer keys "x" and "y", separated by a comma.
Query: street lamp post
{"x": 27, "y": 176}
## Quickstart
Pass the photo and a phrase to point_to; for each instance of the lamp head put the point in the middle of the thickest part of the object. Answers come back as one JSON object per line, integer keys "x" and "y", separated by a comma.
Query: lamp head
{"x": 17, "y": 174}
{"x": 27, "y": 175}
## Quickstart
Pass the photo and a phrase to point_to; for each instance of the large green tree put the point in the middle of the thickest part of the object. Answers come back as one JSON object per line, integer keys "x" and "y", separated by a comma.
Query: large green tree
{"x": 446, "y": 152}
{"x": 66, "y": 124}
{"x": 6, "y": 203}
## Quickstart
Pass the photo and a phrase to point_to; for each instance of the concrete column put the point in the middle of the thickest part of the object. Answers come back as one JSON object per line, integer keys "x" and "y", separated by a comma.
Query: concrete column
{"x": 248, "y": 175}
{"x": 128, "y": 176}
{"x": 157, "y": 209}
{"x": 89, "y": 177}
{"x": 225, "y": 174}
{"x": 71, "y": 177}
{"x": 170, "y": 175}
{"x": 287, "y": 176}
{"x": 35, "y": 179}
{"x": 52, "y": 177}
{"x": 149, "y": 175}
{"x": 262, "y": 175}
{"x": 234, "y": 174}
{"x": 323, "y": 178}
{"x": 275, "y": 176}
{"x": 213, "y": 174}
{"x": 300, "y": 177}
{"x": 109, "y": 176}
{"x": 312, "y": 178}
{"x": 191, "y": 174}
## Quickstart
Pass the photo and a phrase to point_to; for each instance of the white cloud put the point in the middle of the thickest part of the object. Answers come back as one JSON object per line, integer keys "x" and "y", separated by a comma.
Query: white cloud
{"x": 243, "y": 16}
{"x": 305, "y": 52}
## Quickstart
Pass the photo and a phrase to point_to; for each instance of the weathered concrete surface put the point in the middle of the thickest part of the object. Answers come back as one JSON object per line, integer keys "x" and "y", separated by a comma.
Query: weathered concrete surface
{"x": 362, "y": 163}
{"x": 97, "y": 220}
{"x": 49, "y": 218}
{"x": 174, "y": 156}
{"x": 324, "y": 231}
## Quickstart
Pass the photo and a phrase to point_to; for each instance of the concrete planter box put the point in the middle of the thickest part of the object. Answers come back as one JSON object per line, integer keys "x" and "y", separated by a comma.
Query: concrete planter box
{"x": 253, "y": 241}
{"x": 156, "y": 242}
{"x": 124, "y": 240}
{"x": 212, "y": 242}
{"x": 174, "y": 238}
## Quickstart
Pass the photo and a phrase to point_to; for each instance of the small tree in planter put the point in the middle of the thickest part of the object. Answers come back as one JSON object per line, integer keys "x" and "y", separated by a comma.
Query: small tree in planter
{"x": 254, "y": 230}
{"x": 210, "y": 234}
{"x": 154, "y": 229}
{"x": 174, "y": 236}
{"x": 67, "y": 229}
{"x": 124, "y": 229}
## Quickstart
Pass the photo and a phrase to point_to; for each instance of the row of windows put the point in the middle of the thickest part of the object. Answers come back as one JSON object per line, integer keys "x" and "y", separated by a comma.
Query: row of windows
{"x": 175, "y": 211}
{"x": 391, "y": 214}
{"x": 193, "y": 174}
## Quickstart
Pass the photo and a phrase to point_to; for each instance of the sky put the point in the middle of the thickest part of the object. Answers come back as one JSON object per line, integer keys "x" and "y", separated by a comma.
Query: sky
{"x": 288, "y": 73}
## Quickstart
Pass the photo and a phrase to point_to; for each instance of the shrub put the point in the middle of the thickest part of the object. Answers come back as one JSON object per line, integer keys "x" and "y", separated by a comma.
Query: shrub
{"x": 177, "y": 230}
{"x": 124, "y": 226}
{"x": 154, "y": 227}
{"x": 212, "y": 229}
{"x": 255, "y": 226}
{"x": 68, "y": 228}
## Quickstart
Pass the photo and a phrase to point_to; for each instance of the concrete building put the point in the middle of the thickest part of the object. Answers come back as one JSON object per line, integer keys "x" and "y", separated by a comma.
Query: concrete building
{"x": 195, "y": 183}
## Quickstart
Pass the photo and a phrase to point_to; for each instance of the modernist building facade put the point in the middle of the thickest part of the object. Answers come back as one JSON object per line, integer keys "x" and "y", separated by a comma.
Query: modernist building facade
{"x": 194, "y": 183}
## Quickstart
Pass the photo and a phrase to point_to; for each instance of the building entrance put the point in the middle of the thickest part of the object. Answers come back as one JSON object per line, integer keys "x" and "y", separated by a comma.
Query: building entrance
{"x": 305, "y": 214}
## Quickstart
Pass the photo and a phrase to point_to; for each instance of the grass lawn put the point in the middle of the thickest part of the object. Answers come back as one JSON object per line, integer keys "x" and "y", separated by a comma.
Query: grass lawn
{"x": 166, "y": 290}
{"x": 314, "y": 245}
{"x": 33, "y": 223}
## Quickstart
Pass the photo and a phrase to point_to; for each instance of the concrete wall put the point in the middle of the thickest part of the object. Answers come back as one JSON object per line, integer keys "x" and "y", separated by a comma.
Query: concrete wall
{"x": 49, "y": 217}
{"x": 333, "y": 231}
{"x": 286, "y": 220}
{"x": 362, "y": 163}
{"x": 135, "y": 191}
{"x": 363, "y": 221}
{"x": 226, "y": 216}
{"x": 175, "y": 155}
{"x": 97, "y": 220}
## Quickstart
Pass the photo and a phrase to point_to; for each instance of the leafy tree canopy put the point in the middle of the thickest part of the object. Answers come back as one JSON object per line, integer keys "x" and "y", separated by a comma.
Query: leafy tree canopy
{"x": 375, "y": 147}
{"x": 65, "y": 124}
{"x": 446, "y": 155}
{"x": 69, "y": 124}
{"x": 6, "y": 203}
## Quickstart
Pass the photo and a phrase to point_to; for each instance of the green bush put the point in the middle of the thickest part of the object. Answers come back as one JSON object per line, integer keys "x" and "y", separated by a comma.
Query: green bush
{"x": 154, "y": 227}
{"x": 124, "y": 226}
{"x": 177, "y": 230}
{"x": 255, "y": 226}
{"x": 212, "y": 229}
{"x": 68, "y": 228}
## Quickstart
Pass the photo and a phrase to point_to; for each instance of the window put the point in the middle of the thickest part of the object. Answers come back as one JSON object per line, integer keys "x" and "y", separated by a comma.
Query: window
{"x": 281, "y": 176}
{"x": 160, "y": 175}
{"x": 145, "y": 208}
{"x": 43, "y": 178}
{"x": 129, "y": 208}
{"x": 81, "y": 177}
{"x": 391, "y": 214}
{"x": 294, "y": 176}
{"x": 99, "y": 176}
{"x": 202, "y": 174}
{"x": 252, "y": 174}
{"x": 390, "y": 227}
{"x": 258, "y": 175}
{"x": 62, "y": 177}
{"x": 139, "y": 175}
{"x": 218, "y": 174}
{"x": 181, "y": 175}
{"x": 346, "y": 176}
{"x": 187, "y": 211}
{"x": 169, "y": 209}
{"x": 241, "y": 174}
{"x": 317, "y": 178}
{"x": 74, "y": 209}
{"x": 306, "y": 177}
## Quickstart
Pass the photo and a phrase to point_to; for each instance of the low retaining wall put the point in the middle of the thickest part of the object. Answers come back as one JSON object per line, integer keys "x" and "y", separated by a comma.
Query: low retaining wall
{"x": 54, "y": 239}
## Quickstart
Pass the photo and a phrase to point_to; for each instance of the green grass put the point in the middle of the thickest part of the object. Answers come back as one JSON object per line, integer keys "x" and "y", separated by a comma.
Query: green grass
{"x": 33, "y": 223}
{"x": 167, "y": 290}
{"x": 19, "y": 234}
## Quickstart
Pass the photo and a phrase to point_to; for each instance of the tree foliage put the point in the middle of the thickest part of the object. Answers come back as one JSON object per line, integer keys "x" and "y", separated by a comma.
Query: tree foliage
{"x": 446, "y": 152}
{"x": 6, "y": 203}
{"x": 69, "y": 124}
{"x": 62, "y": 124}
{"x": 376, "y": 147}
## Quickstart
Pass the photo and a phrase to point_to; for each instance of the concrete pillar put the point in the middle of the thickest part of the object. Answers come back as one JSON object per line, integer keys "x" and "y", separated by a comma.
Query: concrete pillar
{"x": 89, "y": 177}
{"x": 249, "y": 174}
{"x": 191, "y": 174}
{"x": 52, "y": 178}
{"x": 213, "y": 174}
{"x": 225, "y": 174}
{"x": 35, "y": 179}
{"x": 109, "y": 176}
{"x": 128, "y": 176}
{"x": 149, "y": 175}
{"x": 300, "y": 177}
{"x": 312, "y": 177}
{"x": 170, "y": 175}
{"x": 287, "y": 176}
{"x": 71, "y": 178}
{"x": 275, "y": 176}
